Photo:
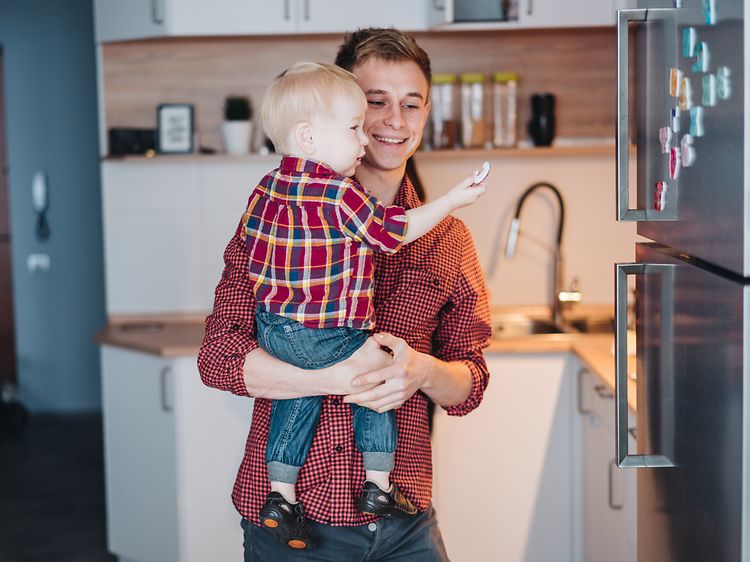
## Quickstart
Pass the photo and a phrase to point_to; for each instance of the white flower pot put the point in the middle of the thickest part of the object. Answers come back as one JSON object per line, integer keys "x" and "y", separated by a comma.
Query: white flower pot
{"x": 236, "y": 136}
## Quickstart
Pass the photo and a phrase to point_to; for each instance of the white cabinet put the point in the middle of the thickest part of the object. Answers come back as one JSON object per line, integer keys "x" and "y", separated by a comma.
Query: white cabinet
{"x": 172, "y": 448}
{"x": 534, "y": 14}
{"x": 506, "y": 477}
{"x": 609, "y": 506}
{"x": 139, "y": 19}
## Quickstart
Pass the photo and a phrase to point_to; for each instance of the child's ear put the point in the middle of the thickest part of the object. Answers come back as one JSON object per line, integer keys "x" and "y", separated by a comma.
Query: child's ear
{"x": 304, "y": 138}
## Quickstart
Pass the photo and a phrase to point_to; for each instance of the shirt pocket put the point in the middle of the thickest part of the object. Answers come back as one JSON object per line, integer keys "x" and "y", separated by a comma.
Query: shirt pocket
{"x": 412, "y": 307}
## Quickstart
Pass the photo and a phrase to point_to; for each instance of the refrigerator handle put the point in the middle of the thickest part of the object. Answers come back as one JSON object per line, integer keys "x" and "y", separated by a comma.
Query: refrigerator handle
{"x": 624, "y": 212}
{"x": 624, "y": 458}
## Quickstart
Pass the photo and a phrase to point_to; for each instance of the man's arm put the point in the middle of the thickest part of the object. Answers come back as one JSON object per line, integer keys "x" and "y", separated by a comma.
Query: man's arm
{"x": 455, "y": 375}
{"x": 231, "y": 359}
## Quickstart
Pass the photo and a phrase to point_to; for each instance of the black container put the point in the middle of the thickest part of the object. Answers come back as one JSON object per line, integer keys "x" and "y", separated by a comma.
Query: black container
{"x": 542, "y": 123}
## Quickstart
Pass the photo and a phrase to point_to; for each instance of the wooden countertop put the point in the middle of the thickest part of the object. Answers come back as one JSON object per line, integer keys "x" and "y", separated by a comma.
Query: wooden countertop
{"x": 180, "y": 335}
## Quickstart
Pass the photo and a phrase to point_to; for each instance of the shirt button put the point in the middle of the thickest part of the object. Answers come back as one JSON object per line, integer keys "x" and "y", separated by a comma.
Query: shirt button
{"x": 338, "y": 448}
{"x": 373, "y": 527}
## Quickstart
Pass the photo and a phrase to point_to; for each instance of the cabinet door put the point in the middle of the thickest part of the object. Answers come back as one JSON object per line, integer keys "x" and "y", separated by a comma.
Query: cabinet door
{"x": 512, "y": 462}
{"x": 576, "y": 13}
{"x": 230, "y": 17}
{"x": 139, "y": 455}
{"x": 602, "y": 505}
{"x": 135, "y": 19}
{"x": 348, "y": 15}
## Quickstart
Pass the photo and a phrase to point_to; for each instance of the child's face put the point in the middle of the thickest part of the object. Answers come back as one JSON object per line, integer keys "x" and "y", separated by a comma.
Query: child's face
{"x": 339, "y": 139}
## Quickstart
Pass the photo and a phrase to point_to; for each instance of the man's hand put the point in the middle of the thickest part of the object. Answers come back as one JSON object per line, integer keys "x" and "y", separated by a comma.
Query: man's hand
{"x": 369, "y": 357}
{"x": 388, "y": 386}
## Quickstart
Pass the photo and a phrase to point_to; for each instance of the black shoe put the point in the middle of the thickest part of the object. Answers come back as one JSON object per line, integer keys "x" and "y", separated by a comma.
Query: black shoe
{"x": 392, "y": 503}
{"x": 287, "y": 522}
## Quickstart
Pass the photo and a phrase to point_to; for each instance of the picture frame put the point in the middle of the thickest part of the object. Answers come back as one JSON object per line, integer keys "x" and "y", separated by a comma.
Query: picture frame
{"x": 174, "y": 128}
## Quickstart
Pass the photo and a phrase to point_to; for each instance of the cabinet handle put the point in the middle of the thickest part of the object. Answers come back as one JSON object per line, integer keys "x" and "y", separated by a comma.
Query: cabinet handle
{"x": 287, "y": 10}
{"x": 529, "y": 7}
{"x": 622, "y": 270}
{"x": 624, "y": 212}
{"x": 610, "y": 499}
{"x": 579, "y": 402}
{"x": 307, "y": 10}
{"x": 166, "y": 404}
{"x": 603, "y": 392}
{"x": 157, "y": 11}
{"x": 438, "y": 5}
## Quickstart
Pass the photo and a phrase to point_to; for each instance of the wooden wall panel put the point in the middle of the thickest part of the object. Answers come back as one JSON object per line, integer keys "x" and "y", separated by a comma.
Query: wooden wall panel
{"x": 577, "y": 65}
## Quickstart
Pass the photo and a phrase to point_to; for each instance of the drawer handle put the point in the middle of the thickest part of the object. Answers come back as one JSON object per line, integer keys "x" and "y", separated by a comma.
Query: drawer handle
{"x": 166, "y": 403}
{"x": 610, "y": 498}
{"x": 603, "y": 392}
{"x": 579, "y": 402}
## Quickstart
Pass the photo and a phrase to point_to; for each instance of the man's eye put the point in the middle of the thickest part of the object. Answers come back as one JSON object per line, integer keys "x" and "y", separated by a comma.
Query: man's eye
{"x": 375, "y": 102}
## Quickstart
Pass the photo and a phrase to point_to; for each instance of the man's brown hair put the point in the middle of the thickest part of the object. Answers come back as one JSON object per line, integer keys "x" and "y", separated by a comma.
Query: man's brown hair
{"x": 386, "y": 44}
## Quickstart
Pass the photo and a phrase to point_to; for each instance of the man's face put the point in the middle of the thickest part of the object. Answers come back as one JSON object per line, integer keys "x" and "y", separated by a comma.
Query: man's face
{"x": 339, "y": 137}
{"x": 397, "y": 109}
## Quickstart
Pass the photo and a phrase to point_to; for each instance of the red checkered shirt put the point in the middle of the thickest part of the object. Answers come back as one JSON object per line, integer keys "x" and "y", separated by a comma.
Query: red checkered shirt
{"x": 310, "y": 236}
{"x": 431, "y": 293}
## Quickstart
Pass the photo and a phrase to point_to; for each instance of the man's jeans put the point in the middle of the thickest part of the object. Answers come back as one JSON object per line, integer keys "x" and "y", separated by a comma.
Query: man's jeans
{"x": 293, "y": 421}
{"x": 387, "y": 540}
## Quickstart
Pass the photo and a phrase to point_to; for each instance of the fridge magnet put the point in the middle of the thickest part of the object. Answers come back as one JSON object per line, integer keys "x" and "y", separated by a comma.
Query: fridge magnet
{"x": 701, "y": 57}
{"x": 709, "y": 90}
{"x": 696, "y": 121}
{"x": 675, "y": 81}
{"x": 174, "y": 128}
{"x": 674, "y": 162}
{"x": 685, "y": 100}
{"x": 660, "y": 196}
{"x": 665, "y": 138}
{"x": 689, "y": 37}
{"x": 687, "y": 151}
{"x": 675, "y": 115}
{"x": 709, "y": 11}
{"x": 723, "y": 82}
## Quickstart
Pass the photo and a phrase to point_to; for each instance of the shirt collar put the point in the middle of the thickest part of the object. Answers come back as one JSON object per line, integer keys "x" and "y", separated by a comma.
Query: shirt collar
{"x": 302, "y": 165}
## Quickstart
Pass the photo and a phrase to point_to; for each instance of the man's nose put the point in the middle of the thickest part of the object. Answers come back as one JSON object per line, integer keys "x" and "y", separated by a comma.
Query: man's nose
{"x": 395, "y": 118}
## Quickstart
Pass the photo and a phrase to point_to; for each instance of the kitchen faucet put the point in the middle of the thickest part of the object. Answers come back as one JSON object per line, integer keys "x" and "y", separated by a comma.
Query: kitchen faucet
{"x": 557, "y": 271}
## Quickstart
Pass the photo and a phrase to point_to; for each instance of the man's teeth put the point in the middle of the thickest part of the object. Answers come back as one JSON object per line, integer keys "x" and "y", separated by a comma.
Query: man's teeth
{"x": 390, "y": 140}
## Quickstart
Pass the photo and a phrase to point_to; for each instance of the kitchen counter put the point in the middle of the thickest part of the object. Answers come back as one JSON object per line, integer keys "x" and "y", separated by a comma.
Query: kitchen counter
{"x": 180, "y": 335}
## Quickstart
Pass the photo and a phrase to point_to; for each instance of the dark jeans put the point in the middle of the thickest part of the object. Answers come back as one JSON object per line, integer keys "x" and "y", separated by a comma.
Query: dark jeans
{"x": 386, "y": 540}
{"x": 293, "y": 421}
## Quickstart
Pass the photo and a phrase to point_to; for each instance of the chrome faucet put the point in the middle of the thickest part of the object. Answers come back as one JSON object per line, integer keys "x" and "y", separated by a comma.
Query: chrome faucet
{"x": 557, "y": 271}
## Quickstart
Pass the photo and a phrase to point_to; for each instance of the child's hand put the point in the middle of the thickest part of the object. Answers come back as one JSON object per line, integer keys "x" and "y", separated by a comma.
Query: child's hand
{"x": 466, "y": 192}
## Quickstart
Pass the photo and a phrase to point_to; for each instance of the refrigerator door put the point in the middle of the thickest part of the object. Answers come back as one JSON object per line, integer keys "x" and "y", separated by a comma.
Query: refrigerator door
{"x": 692, "y": 337}
{"x": 690, "y": 101}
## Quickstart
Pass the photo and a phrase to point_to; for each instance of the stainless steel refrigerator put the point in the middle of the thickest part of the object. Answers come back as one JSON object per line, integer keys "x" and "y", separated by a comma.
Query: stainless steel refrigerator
{"x": 687, "y": 110}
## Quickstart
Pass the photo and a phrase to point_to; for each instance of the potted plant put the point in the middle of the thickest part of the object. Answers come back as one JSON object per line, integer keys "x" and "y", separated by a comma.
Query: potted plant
{"x": 236, "y": 130}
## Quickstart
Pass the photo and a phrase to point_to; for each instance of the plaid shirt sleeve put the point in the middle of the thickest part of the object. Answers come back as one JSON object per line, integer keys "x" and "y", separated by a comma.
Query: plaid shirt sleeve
{"x": 464, "y": 327}
{"x": 230, "y": 329}
{"x": 366, "y": 220}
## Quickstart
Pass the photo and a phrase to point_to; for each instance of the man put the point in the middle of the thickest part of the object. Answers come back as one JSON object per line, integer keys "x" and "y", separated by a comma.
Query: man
{"x": 432, "y": 314}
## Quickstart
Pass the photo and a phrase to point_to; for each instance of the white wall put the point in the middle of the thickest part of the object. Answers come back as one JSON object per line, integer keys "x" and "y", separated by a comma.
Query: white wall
{"x": 592, "y": 240}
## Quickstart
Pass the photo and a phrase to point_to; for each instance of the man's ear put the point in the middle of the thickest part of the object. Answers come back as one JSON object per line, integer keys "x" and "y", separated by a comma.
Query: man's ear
{"x": 304, "y": 138}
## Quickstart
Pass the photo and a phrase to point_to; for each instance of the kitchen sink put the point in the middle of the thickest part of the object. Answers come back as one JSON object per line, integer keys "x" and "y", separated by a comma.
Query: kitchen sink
{"x": 515, "y": 325}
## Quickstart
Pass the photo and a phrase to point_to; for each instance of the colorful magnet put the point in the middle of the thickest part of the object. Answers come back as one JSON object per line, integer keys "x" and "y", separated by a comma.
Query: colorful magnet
{"x": 675, "y": 115}
{"x": 674, "y": 162}
{"x": 685, "y": 100}
{"x": 709, "y": 11}
{"x": 687, "y": 152}
{"x": 660, "y": 195}
{"x": 696, "y": 121}
{"x": 665, "y": 138}
{"x": 701, "y": 57}
{"x": 689, "y": 37}
{"x": 675, "y": 81}
{"x": 723, "y": 82}
{"x": 709, "y": 90}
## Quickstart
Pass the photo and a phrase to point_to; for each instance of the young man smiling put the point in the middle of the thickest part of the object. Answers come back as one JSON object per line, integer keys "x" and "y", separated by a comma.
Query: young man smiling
{"x": 431, "y": 309}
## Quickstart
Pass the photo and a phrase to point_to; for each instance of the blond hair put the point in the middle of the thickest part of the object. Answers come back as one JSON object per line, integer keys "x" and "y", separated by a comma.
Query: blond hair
{"x": 304, "y": 91}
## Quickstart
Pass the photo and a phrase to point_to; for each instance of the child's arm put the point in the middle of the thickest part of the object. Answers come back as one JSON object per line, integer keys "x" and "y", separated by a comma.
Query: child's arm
{"x": 423, "y": 219}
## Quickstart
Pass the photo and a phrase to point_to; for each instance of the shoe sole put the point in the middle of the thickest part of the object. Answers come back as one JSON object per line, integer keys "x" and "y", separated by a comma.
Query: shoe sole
{"x": 270, "y": 521}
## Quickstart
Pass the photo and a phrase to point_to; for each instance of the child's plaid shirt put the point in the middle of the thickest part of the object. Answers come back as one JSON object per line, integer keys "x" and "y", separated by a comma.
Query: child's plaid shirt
{"x": 310, "y": 234}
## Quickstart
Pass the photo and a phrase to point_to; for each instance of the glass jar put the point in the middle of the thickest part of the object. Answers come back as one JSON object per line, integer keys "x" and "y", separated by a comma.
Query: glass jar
{"x": 504, "y": 102}
{"x": 472, "y": 110}
{"x": 443, "y": 112}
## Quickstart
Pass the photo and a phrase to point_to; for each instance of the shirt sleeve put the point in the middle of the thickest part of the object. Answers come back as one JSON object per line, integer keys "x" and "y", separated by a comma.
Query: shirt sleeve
{"x": 230, "y": 329}
{"x": 464, "y": 327}
{"x": 366, "y": 220}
